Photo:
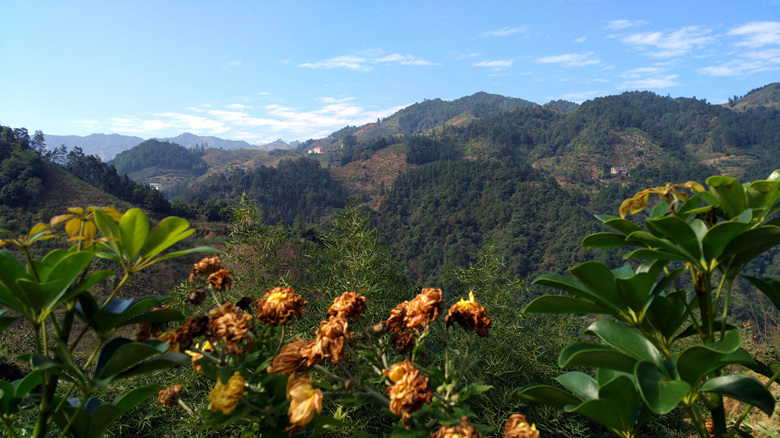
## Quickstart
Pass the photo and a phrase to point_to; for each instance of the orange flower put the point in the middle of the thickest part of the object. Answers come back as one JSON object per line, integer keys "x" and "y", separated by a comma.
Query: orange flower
{"x": 180, "y": 338}
{"x": 296, "y": 357}
{"x": 470, "y": 315}
{"x": 403, "y": 342}
{"x": 517, "y": 427}
{"x": 230, "y": 324}
{"x": 220, "y": 280}
{"x": 395, "y": 323}
{"x": 349, "y": 304}
{"x": 423, "y": 309}
{"x": 464, "y": 430}
{"x": 409, "y": 391}
{"x": 206, "y": 346}
{"x": 169, "y": 396}
{"x": 205, "y": 266}
{"x": 225, "y": 398}
{"x": 330, "y": 338}
{"x": 279, "y": 304}
{"x": 305, "y": 400}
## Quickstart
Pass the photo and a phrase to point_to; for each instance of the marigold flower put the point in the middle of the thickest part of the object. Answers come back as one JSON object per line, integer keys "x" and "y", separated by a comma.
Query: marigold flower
{"x": 517, "y": 427}
{"x": 206, "y": 346}
{"x": 403, "y": 342}
{"x": 150, "y": 330}
{"x": 296, "y": 357}
{"x": 349, "y": 304}
{"x": 180, "y": 338}
{"x": 225, "y": 397}
{"x": 230, "y": 324}
{"x": 279, "y": 304}
{"x": 330, "y": 338}
{"x": 464, "y": 430}
{"x": 196, "y": 297}
{"x": 410, "y": 390}
{"x": 470, "y": 315}
{"x": 169, "y": 397}
{"x": 205, "y": 267}
{"x": 220, "y": 280}
{"x": 305, "y": 400}
{"x": 423, "y": 309}
{"x": 395, "y": 323}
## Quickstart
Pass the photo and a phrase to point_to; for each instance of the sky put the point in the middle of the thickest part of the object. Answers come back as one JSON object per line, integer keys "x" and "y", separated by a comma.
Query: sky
{"x": 298, "y": 69}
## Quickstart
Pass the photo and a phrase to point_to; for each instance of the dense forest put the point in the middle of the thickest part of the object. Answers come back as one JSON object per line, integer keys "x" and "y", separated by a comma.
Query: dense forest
{"x": 161, "y": 154}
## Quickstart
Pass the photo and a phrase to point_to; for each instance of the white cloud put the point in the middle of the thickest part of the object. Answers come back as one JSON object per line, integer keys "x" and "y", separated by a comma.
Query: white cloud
{"x": 623, "y": 24}
{"x": 665, "y": 45}
{"x": 504, "y": 31}
{"x": 462, "y": 56}
{"x": 570, "y": 59}
{"x": 651, "y": 83}
{"x": 748, "y": 62}
{"x": 758, "y": 34}
{"x": 366, "y": 60}
{"x": 580, "y": 97}
{"x": 238, "y": 106}
{"x": 499, "y": 63}
{"x": 580, "y": 40}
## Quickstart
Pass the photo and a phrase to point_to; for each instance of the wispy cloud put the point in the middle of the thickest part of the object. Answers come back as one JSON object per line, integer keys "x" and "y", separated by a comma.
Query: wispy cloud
{"x": 666, "y": 45}
{"x": 580, "y": 96}
{"x": 504, "y": 31}
{"x": 580, "y": 40}
{"x": 753, "y": 35}
{"x": 623, "y": 24}
{"x": 366, "y": 60}
{"x": 758, "y": 34}
{"x": 648, "y": 78}
{"x": 571, "y": 59}
{"x": 497, "y": 65}
{"x": 460, "y": 56}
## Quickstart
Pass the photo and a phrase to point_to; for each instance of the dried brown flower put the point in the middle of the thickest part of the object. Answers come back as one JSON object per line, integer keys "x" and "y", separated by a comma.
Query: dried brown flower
{"x": 423, "y": 309}
{"x": 305, "y": 400}
{"x": 151, "y": 330}
{"x": 296, "y": 357}
{"x": 206, "y": 346}
{"x": 395, "y": 323}
{"x": 280, "y": 305}
{"x": 464, "y": 430}
{"x": 409, "y": 391}
{"x": 220, "y": 280}
{"x": 225, "y": 397}
{"x": 180, "y": 338}
{"x": 331, "y": 337}
{"x": 470, "y": 315}
{"x": 196, "y": 297}
{"x": 517, "y": 427}
{"x": 205, "y": 267}
{"x": 403, "y": 342}
{"x": 349, "y": 304}
{"x": 230, "y": 324}
{"x": 169, "y": 397}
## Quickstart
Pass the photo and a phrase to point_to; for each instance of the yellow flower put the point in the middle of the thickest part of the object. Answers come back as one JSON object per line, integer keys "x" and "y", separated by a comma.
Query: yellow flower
{"x": 305, "y": 400}
{"x": 206, "y": 346}
{"x": 225, "y": 398}
{"x": 279, "y": 305}
{"x": 470, "y": 315}
{"x": 410, "y": 390}
{"x": 80, "y": 225}
{"x": 517, "y": 427}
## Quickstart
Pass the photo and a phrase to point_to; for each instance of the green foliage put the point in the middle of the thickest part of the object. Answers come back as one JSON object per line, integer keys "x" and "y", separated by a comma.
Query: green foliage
{"x": 160, "y": 154}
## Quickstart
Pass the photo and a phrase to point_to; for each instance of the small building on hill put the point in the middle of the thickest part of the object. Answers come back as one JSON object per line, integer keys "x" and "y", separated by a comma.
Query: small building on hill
{"x": 156, "y": 186}
{"x": 619, "y": 170}
{"x": 317, "y": 150}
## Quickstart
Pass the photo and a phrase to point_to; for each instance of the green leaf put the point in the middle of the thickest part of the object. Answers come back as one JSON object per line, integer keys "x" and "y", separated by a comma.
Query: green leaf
{"x": 653, "y": 254}
{"x": 120, "y": 354}
{"x": 616, "y": 406}
{"x": 744, "y": 388}
{"x": 763, "y": 193}
{"x": 697, "y": 361}
{"x": 547, "y": 395}
{"x": 625, "y": 226}
{"x": 678, "y": 231}
{"x": 27, "y": 384}
{"x": 110, "y": 229}
{"x": 169, "y": 231}
{"x": 130, "y": 399}
{"x": 719, "y": 236}
{"x": 573, "y": 287}
{"x": 5, "y": 321}
{"x": 626, "y": 340}
{"x": 133, "y": 229}
{"x": 661, "y": 393}
{"x": 580, "y": 384}
{"x": 730, "y": 194}
{"x": 203, "y": 249}
{"x": 585, "y": 354}
{"x": 751, "y": 244}
{"x": 768, "y": 286}
{"x": 161, "y": 362}
{"x": 604, "y": 240}
{"x": 564, "y": 304}
{"x": 599, "y": 279}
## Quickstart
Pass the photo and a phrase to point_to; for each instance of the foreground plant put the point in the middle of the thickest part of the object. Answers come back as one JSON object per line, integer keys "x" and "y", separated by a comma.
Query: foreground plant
{"x": 645, "y": 363}
{"x": 53, "y": 292}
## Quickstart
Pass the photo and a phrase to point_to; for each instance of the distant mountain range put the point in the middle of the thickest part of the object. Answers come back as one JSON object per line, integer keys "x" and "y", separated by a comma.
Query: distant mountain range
{"x": 107, "y": 146}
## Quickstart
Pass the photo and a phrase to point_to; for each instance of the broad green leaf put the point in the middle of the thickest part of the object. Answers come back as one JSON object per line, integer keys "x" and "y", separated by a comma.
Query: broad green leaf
{"x": 202, "y": 249}
{"x": 547, "y": 395}
{"x": 730, "y": 194}
{"x": 744, "y": 388}
{"x": 11, "y": 295}
{"x": 661, "y": 393}
{"x": 774, "y": 176}
{"x": 604, "y": 240}
{"x": 667, "y": 313}
{"x": 625, "y": 226}
{"x": 130, "y": 399}
{"x": 573, "y": 287}
{"x": 622, "y": 392}
{"x": 564, "y": 304}
{"x": 27, "y": 384}
{"x": 626, "y": 340}
{"x": 133, "y": 229}
{"x": 635, "y": 291}
{"x": 164, "y": 235}
{"x": 110, "y": 229}
{"x": 659, "y": 210}
{"x": 598, "y": 278}
{"x": 585, "y": 354}
{"x": 5, "y": 321}
{"x": 768, "y": 286}
{"x": 121, "y": 354}
{"x": 719, "y": 236}
{"x": 163, "y": 361}
{"x": 697, "y": 361}
{"x": 763, "y": 193}
{"x": 751, "y": 244}
{"x": 678, "y": 231}
{"x": 580, "y": 384}
{"x": 653, "y": 254}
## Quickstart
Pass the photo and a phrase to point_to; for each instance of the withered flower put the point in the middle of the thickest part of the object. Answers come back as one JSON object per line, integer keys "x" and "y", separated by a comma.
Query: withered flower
{"x": 205, "y": 266}
{"x": 423, "y": 309}
{"x": 470, "y": 315}
{"x": 244, "y": 303}
{"x": 330, "y": 338}
{"x": 403, "y": 342}
{"x": 196, "y": 297}
{"x": 220, "y": 280}
{"x": 230, "y": 324}
{"x": 296, "y": 357}
{"x": 349, "y": 304}
{"x": 668, "y": 193}
{"x": 409, "y": 391}
{"x": 169, "y": 397}
{"x": 279, "y": 304}
{"x": 180, "y": 338}
{"x": 206, "y": 346}
{"x": 395, "y": 323}
{"x": 225, "y": 397}
{"x": 150, "y": 330}
{"x": 517, "y": 427}
{"x": 464, "y": 430}
{"x": 305, "y": 400}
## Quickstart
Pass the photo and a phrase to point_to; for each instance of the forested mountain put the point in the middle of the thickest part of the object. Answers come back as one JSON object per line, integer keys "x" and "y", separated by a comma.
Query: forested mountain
{"x": 162, "y": 155}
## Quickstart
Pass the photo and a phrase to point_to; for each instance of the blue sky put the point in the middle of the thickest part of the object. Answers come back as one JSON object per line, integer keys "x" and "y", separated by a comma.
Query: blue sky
{"x": 263, "y": 70}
